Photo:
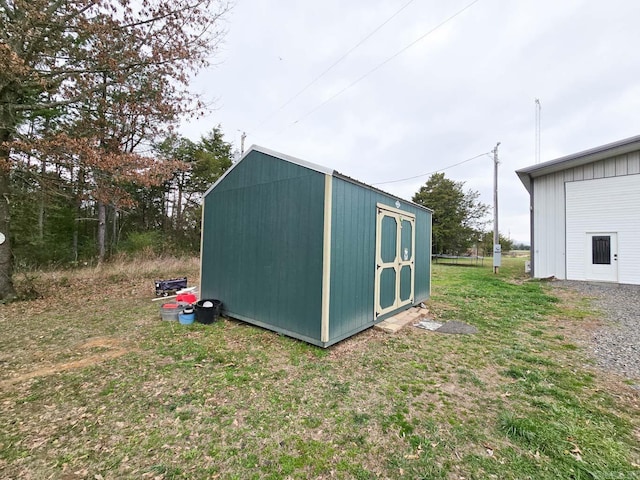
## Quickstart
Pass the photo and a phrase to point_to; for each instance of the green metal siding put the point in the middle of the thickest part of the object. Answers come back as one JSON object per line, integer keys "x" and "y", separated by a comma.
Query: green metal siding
{"x": 422, "y": 281}
{"x": 352, "y": 259}
{"x": 262, "y": 245}
{"x": 353, "y": 256}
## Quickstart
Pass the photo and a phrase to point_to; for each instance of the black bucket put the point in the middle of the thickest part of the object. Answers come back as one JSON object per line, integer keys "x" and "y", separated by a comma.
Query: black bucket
{"x": 207, "y": 311}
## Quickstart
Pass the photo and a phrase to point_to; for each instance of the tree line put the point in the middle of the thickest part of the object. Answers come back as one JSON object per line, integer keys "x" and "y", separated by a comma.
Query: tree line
{"x": 90, "y": 93}
{"x": 54, "y": 215}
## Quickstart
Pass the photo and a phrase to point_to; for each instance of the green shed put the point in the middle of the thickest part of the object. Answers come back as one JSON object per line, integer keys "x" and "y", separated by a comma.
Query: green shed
{"x": 305, "y": 251}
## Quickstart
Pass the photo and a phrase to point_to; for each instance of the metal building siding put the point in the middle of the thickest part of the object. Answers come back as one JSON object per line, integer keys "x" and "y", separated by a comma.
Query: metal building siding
{"x": 353, "y": 256}
{"x": 550, "y": 224}
{"x": 262, "y": 245}
{"x": 604, "y": 205}
{"x": 549, "y": 238}
{"x": 633, "y": 163}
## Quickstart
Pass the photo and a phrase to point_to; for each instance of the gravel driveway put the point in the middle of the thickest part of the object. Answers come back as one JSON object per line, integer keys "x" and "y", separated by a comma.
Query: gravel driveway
{"x": 616, "y": 343}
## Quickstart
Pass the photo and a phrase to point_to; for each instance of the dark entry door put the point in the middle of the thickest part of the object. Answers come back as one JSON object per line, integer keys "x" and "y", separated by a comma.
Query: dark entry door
{"x": 602, "y": 256}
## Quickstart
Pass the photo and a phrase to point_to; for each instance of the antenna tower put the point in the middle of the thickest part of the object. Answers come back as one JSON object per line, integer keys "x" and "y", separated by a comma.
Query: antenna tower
{"x": 538, "y": 109}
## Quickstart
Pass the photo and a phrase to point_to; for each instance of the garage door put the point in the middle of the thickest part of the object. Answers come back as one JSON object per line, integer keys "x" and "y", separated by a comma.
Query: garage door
{"x": 603, "y": 233}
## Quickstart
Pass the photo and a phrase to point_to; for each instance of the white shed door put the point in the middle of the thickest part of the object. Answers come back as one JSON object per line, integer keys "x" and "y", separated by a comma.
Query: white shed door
{"x": 395, "y": 259}
{"x": 603, "y": 229}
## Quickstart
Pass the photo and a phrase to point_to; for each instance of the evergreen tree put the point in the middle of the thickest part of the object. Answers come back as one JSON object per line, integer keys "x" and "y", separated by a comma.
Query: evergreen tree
{"x": 458, "y": 216}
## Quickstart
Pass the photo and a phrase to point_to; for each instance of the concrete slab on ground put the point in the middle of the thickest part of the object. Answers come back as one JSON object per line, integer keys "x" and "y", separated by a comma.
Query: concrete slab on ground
{"x": 420, "y": 317}
{"x": 457, "y": 327}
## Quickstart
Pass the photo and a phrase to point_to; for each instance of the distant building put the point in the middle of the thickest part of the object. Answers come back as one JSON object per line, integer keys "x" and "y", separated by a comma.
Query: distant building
{"x": 585, "y": 214}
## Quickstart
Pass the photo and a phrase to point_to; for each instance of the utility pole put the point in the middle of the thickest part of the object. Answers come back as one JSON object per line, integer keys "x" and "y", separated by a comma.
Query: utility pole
{"x": 242, "y": 137}
{"x": 497, "y": 250}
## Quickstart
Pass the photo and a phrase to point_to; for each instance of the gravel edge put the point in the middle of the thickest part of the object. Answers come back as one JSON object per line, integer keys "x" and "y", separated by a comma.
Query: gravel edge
{"x": 615, "y": 343}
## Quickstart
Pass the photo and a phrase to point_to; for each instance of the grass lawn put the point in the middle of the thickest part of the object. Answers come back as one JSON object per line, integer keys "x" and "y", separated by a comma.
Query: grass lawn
{"x": 94, "y": 385}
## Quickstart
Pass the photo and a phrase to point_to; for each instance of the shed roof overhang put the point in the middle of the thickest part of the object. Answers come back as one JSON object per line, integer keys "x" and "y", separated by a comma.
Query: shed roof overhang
{"x": 578, "y": 159}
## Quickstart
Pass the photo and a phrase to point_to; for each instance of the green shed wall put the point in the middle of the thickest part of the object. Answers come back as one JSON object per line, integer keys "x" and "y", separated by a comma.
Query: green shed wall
{"x": 262, "y": 245}
{"x": 353, "y": 232}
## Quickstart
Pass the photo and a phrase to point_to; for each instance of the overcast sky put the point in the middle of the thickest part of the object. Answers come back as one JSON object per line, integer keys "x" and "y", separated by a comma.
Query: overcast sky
{"x": 451, "y": 96}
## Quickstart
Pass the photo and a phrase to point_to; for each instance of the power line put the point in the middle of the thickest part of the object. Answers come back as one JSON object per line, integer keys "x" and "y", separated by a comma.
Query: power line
{"x": 328, "y": 69}
{"x": 377, "y": 67}
{"x": 431, "y": 173}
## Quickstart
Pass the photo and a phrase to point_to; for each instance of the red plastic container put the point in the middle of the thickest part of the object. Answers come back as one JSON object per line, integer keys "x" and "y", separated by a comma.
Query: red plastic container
{"x": 186, "y": 297}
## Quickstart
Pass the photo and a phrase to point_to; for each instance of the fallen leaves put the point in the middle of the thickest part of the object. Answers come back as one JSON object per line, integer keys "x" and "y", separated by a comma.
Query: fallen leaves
{"x": 576, "y": 452}
{"x": 488, "y": 449}
{"x": 415, "y": 456}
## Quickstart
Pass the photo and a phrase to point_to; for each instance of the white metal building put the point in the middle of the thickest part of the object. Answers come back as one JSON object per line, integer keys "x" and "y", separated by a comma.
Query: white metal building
{"x": 585, "y": 214}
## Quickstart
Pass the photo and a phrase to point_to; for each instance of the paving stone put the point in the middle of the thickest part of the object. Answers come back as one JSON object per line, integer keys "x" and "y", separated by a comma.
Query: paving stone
{"x": 387, "y": 327}
{"x": 395, "y": 323}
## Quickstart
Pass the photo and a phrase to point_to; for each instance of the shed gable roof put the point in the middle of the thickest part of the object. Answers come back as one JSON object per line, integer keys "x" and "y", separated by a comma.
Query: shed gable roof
{"x": 309, "y": 165}
{"x": 271, "y": 153}
{"x": 585, "y": 157}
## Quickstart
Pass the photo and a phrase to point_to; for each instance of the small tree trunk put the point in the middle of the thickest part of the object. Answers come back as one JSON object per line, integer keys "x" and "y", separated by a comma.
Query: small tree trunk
{"x": 102, "y": 231}
{"x": 166, "y": 221}
{"x": 179, "y": 206}
{"x": 74, "y": 245}
{"x": 114, "y": 230}
{"x": 6, "y": 260}
{"x": 42, "y": 203}
{"x": 79, "y": 187}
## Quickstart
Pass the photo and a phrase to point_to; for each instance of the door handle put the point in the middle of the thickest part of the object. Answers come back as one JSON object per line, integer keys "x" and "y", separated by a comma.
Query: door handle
{"x": 615, "y": 257}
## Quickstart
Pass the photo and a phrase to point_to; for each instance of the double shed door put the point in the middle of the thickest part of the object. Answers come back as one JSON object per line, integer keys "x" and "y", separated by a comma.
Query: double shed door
{"x": 395, "y": 259}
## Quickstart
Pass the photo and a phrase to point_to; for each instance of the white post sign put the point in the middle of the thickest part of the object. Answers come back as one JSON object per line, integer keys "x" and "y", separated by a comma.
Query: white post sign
{"x": 497, "y": 254}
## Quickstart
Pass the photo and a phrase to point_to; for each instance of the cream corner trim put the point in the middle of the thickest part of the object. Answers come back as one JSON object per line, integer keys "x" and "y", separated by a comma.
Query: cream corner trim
{"x": 326, "y": 259}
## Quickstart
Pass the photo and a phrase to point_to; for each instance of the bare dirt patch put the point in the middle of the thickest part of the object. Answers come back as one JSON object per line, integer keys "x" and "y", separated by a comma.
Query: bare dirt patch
{"x": 109, "y": 347}
{"x": 355, "y": 344}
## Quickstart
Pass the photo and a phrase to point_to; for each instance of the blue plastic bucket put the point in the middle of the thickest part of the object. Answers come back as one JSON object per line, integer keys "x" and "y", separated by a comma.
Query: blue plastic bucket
{"x": 187, "y": 316}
